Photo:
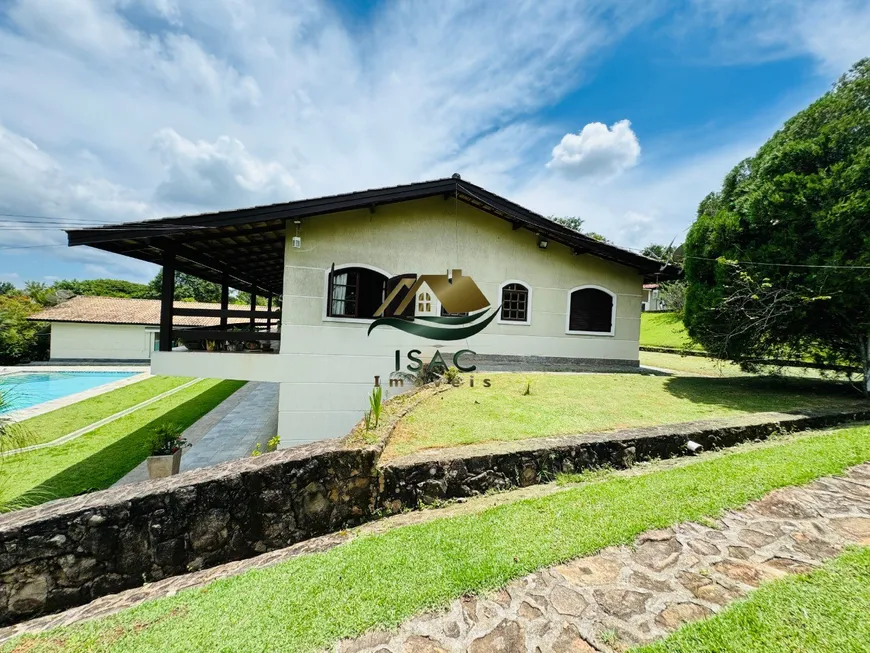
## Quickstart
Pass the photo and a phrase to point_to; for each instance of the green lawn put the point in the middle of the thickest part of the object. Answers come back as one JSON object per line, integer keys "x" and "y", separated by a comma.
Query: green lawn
{"x": 99, "y": 458}
{"x": 691, "y": 364}
{"x": 827, "y": 611}
{"x": 664, "y": 330}
{"x": 579, "y": 403}
{"x": 60, "y": 422}
{"x": 308, "y": 603}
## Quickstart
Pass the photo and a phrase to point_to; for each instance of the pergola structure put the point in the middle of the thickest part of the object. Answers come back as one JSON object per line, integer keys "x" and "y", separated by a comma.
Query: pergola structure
{"x": 244, "y": 248}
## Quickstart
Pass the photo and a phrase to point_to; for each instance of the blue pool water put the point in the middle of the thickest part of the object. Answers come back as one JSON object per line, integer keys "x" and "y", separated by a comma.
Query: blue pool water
{"x": 31, "y": 388}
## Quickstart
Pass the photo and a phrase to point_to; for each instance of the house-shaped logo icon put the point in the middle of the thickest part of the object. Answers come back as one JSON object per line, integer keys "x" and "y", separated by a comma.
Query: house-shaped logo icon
{"x": 409, "y": 304}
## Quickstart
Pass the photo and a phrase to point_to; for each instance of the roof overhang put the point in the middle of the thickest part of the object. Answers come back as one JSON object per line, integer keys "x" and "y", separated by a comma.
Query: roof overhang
{"x": 246, "y": 246}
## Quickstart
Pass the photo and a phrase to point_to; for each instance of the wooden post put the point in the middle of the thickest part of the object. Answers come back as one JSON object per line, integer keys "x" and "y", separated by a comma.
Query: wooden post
{"x": 225, "y": 299}
{"x": 269, "y": 313}
{"x": 167, "y": 297}
{"x": 253, "y": 306}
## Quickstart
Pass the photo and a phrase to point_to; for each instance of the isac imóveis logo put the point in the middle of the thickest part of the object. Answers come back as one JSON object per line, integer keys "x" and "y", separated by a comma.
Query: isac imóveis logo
{"x": 409, "y": 306}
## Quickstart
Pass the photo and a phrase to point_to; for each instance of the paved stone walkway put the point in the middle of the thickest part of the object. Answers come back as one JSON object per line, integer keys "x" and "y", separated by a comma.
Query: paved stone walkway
{"x": 605, "y": 603}
{"x": 627, "y": 596}
{"x": 229, "y": 431}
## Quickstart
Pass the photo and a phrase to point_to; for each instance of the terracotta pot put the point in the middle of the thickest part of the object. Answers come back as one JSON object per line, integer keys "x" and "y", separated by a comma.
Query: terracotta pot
{"x": 163, "y": 466}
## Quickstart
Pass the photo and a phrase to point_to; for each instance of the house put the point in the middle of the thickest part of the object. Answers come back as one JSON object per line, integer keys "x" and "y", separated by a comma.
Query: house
{"x": 652, "y": 300}
{"x": 116, "y": 329}
{"x": 367, "y": 280}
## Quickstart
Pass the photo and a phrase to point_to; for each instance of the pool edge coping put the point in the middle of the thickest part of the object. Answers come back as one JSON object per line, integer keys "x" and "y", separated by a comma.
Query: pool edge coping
{"x": 62, "y": 402}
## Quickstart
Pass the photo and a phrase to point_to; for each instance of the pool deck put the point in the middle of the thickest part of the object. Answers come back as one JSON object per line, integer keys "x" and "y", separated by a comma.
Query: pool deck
{"x": 230, "y": 431}
{"x": 54, "y": 404}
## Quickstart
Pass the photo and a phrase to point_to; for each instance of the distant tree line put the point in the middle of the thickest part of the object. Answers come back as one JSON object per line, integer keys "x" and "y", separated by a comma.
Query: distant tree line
{"x": 22, "y": 340}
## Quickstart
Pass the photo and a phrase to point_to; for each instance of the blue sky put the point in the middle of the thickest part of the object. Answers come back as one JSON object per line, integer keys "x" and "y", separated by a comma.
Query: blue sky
{"x": 625, "y": 114}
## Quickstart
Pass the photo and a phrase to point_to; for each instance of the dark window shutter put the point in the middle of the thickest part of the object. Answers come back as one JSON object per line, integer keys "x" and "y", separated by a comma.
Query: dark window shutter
{"x": 591, "y": 310}
{"x": 391, "y": 285}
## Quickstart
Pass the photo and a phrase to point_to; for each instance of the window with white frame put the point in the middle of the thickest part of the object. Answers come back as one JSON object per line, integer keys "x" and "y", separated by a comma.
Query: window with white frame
{"x": 355, "y": 292}
{"x": 515, "y": 304}
{"x": 591, "y": 310}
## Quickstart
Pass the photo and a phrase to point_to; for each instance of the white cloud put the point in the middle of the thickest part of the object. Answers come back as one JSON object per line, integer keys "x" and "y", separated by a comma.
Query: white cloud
{"x": 834, "y": 33}
{"x": 255, "y": 102}
{"x": 220, "y": 174}
{"x": 597, "y": 151}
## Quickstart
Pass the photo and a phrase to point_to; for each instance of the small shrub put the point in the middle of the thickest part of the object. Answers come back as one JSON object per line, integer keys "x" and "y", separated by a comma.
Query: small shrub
{"x": 167, "y": 440}
{"x": 452, "y": 376}
{"x": 272, "y": 444}
{"x": 256, "y": 452}
{"x": 528, "y": 389}
{"x": 368, "y": 418}
{"x": 377, "y": 404}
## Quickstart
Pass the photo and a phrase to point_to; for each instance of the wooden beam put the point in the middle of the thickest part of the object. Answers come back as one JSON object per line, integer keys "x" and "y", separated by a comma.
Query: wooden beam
{"x": 183, "y": 311}
{"x": 253, "y": 308}
{"x": 232, "y": 336}
{"x": 167, "y": 299}
{"x": 225, "y": 298}
{"x": 516, "y": 225}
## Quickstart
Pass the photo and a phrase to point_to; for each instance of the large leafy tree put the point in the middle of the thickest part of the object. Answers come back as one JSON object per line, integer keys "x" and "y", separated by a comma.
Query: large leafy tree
{"x": 188, "y": 287}
{"x": 778, "y": 260}
{"x": 20, "y": 339}
{"x": 105, "y": 288}
{"x": 6, "y": 288}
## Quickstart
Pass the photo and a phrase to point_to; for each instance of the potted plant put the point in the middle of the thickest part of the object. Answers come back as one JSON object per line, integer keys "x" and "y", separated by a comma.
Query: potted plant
{"x": 166, "y": 446}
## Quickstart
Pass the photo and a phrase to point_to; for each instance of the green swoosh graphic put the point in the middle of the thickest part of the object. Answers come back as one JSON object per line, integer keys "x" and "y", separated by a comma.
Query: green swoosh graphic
{"x": 461, "y": 319}
{"x": 432, "y": 332}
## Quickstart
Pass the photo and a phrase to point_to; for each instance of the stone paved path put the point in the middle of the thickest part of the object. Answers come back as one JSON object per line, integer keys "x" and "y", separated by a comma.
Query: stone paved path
{"x": 607, "y": 602}
{"x": 626, "y": 596}
{"x": 229, "y": 431}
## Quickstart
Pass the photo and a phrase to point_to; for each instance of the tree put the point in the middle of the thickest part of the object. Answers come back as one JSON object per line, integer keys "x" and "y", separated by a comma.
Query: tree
{"x": 572, "y": 222}
{"x": 21, "y": 340}
{"x": 596, "y": 236}
{"x": 666, "y": 253}
{"x": 774, "y": 259}
{"x": 673, "y": 295}
{"x": 6, "y": 288}
{"x": 105, "y": 288}
{"x": 188, "y": 287}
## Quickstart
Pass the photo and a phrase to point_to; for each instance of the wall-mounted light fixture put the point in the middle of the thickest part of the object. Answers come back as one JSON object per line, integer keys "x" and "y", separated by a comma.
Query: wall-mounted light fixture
{"x": 543, "y": 242}
{"x": 297, "y": 239}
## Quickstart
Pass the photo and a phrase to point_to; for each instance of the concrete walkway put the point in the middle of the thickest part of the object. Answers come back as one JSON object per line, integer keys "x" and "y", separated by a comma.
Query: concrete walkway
{"x": 228, "y": 432}
{"x": 604, "y": 603}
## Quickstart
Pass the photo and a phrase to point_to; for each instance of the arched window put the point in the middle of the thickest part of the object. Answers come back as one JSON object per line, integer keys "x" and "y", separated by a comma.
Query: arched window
{"x": 424, "y": 303}
{"x": 591, "y": 310}
{"x": 516, "y": 303}
{"x": 355, "y": 292}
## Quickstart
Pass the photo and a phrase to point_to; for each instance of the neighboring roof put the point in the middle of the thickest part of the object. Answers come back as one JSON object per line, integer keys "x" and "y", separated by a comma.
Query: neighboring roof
{"x": 248, "y": 244}
{"x": 117, "y": 310}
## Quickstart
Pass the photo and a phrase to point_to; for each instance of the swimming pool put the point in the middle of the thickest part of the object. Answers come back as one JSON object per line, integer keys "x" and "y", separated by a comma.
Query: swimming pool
{"x": 32, "y": 388}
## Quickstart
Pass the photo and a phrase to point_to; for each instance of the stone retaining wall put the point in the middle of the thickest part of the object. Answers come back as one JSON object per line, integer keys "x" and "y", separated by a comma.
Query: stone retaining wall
{"x": 70, "y": 551}
{"x": 433, "y": 476}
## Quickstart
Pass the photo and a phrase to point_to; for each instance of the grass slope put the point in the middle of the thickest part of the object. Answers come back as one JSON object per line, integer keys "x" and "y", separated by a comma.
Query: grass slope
{"x": 823, "y": 612}
{"x": 97, "y": 459}
{"x": 60, "y": 422}
{"x": 664, "y": 330}
{"x": 561, "y": 404}
{"x": 308, "y": 603}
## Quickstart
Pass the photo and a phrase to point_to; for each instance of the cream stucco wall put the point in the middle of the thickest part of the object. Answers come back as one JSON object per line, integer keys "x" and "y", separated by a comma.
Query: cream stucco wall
{"x": 100, "y": 341}
{"x": 329, "y": 364}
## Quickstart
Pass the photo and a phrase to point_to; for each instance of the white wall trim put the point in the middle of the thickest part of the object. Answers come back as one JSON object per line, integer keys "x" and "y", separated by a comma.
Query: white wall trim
{"x": 325, "y": 296}
{"x": 591, "y": 333}
{"x": 528, "y": 320}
